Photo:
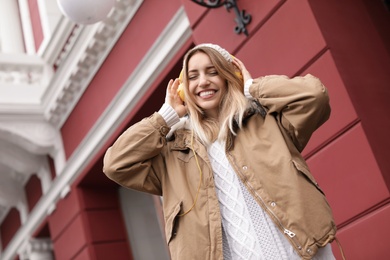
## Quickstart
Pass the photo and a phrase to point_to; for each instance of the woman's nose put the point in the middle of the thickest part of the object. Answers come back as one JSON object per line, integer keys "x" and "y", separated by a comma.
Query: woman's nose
{"x": 203, "y": 80}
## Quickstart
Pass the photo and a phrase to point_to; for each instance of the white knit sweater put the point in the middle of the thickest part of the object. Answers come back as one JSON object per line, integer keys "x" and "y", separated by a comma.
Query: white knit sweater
{"x": 247, "y": 231}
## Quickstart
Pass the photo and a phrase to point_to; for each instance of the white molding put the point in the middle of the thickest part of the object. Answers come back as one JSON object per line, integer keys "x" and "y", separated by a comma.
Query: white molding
{"x": 44, "y": 18}
{"x": 65, "y": 191}
{"x": 36, "y": 249}
{"x": 44, "y": 175}
{"x": 27, "y": 112}
{"x": 34, "y": 137}
{"x": 87, "y": 54}
{"x": 23, "y": 79}
{"x": 11, "y": 35}
{"x": 166, "y": 46}
{"x": 3, "y": 213}
{"x": 27, "y": 27}
{"x": 50, "y": 47}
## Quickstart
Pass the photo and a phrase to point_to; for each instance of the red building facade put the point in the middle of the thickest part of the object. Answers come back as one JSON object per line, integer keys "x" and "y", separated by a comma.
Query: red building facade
{"x": 346, "y": 44}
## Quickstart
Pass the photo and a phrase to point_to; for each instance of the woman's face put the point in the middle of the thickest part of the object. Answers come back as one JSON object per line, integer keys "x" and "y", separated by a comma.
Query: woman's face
{"x": 205, "y": 84}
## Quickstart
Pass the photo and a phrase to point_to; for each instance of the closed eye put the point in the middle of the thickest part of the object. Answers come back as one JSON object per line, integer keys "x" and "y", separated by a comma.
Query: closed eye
{"x": 192, "y": 77}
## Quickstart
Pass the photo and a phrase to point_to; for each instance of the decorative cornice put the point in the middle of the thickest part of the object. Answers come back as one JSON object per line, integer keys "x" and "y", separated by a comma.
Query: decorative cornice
{"x": 20, "y": 69}
{"x": 82, "y": 55}
{"x": 23, "y": 78}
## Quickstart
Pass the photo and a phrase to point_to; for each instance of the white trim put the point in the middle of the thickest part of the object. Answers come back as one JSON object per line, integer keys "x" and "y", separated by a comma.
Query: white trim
{"x": 27, "y": 27}
{"x": 166, "y": 46}
{"x": 48, "y": 49}
{"x": 11, "y": 38}
{"x": 44, "y": 21}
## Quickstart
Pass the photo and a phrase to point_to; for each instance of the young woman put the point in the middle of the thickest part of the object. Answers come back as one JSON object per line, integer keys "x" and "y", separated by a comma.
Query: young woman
{"x": 227, "y": 162}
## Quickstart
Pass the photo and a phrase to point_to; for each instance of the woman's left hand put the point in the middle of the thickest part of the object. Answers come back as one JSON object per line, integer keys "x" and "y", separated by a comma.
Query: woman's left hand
{"x": 240, "y": 65}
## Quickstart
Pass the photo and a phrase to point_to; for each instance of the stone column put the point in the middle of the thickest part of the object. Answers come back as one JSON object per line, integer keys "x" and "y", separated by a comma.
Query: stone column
{"x": 11, "y": 34}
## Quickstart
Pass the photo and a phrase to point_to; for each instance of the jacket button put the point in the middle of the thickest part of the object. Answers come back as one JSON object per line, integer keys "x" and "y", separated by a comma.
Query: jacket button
{"x": 164, "y": 130}
{"x": 245, "y": 167}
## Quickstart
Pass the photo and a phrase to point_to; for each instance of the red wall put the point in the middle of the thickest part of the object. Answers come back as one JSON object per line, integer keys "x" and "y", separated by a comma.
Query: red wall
{"x": 88, "y": 224}
{"x": 33, "y": 190}
{"x": 354, "y": 168}
{"x": 36, "y": 23}
{"x": 357, "y": 32}
{"x": 9, "y": 226}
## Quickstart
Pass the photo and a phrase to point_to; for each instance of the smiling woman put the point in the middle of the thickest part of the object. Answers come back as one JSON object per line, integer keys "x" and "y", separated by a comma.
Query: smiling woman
{"x": 227, "y": 162}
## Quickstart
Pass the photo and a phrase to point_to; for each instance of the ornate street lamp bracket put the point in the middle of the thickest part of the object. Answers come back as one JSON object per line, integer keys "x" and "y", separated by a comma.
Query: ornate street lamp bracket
{"x": 242, "y": 18}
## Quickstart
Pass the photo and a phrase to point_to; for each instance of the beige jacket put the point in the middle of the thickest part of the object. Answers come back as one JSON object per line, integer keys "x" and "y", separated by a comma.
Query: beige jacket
{"x": 265, "y": 154}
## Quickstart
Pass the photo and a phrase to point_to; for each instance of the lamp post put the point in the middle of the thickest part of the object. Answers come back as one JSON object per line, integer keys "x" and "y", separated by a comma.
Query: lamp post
{"x": 242, "y": 18}
{"x": 86, "y": 11}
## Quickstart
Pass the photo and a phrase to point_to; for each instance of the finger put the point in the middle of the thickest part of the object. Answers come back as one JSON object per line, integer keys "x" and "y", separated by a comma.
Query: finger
{"x": 170, "y": 83}
{"x": 236, "y": 60}
{"x": 238, "y": 65}
{"x": 175, "y": 84}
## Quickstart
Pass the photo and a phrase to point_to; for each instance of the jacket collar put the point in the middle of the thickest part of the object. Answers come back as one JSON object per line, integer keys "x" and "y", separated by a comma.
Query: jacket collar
{"x": 182, "y": 131}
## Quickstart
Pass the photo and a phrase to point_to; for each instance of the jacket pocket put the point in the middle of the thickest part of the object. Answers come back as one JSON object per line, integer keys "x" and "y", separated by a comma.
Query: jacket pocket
{"x": 305, "y": 171}
{"x": 171, "y": 223}
{"x": 184, "y": 153}
{"x": 185, "y": 156}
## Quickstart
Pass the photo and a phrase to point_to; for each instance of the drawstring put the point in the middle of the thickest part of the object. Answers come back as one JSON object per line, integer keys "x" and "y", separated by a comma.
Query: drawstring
{"x": 340, "y": 248}
{"x": 200, "y": 175}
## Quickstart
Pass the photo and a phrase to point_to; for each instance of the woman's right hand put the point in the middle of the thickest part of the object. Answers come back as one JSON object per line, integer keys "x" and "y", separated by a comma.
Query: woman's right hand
{"x": 173, "y": 99}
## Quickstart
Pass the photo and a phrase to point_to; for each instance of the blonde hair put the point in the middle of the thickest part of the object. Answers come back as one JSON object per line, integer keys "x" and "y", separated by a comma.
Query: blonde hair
{"x": 232, "y": 105}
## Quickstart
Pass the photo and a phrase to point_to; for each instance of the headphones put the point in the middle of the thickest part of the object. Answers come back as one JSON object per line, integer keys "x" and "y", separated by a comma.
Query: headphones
{"x": 180, "y": 88}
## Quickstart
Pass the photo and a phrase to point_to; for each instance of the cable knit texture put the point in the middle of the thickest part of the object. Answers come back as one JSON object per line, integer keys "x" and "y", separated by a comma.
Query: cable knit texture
{"x": 248, "y": 233}
{"x": 218, "y": 48}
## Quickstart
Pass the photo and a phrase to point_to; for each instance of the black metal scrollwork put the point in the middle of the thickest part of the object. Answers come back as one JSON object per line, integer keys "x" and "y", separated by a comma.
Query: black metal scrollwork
{"x": 242, "y": 18}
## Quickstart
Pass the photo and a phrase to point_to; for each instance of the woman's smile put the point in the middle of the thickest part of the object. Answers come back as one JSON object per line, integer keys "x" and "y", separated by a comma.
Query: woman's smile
{"x": 207, "y": 94}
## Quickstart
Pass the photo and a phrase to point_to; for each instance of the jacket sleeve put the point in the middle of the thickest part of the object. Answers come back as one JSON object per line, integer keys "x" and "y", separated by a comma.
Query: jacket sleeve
{"x": 135, "y": 159}
{"x": 301, "y": 104}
